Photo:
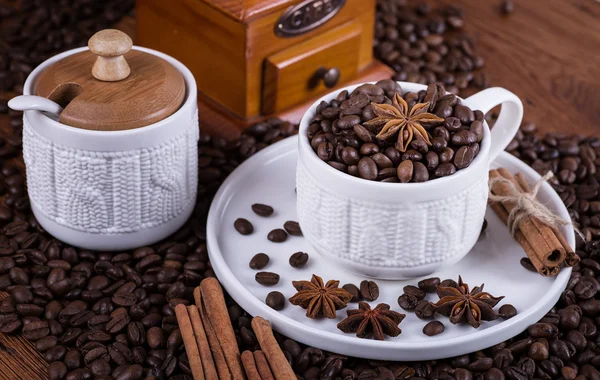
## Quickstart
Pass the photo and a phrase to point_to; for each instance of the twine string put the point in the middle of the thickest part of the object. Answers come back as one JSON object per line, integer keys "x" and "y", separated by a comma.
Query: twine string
{"x": 527, "y": 205}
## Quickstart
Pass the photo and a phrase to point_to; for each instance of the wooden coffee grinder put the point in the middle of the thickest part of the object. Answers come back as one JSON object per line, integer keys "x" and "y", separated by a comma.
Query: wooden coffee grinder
{"x": 254, "y": 59}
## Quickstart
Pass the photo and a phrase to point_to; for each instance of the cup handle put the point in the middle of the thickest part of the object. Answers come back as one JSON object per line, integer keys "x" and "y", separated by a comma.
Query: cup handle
{"x": 509, "y": 120}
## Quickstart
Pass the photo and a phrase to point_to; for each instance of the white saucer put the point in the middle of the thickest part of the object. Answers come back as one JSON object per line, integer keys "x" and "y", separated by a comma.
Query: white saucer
{"x": 269, "y": 177}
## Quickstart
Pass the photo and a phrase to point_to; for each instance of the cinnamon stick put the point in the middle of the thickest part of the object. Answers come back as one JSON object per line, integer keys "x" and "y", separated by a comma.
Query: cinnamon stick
{"x": 215, "y": 346}
{"x": 263, "y": 365}
{"x": 250, "y": 366}
{"x": 571, "y": 258}
{"x": 279, "y": 365}
{"x": 189, "y": 342}
{"x": 540, "y": 236}
{"x": 208, "y": 364}
{"x": 542, "y": 269}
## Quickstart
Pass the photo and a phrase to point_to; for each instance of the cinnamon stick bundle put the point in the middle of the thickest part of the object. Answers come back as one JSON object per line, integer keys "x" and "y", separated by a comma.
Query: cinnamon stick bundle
{"x": 544, "y": 245}
{"x": 250, "y": 366}
{"x": 216, "y": 311}
{"x": 279, "y": 365}
{"x": 263, "y": 365}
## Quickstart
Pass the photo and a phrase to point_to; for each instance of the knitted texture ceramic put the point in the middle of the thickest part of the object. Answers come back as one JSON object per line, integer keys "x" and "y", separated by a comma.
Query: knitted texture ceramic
{"x": 111, "y": 192}
{"x": 389, "y": 234}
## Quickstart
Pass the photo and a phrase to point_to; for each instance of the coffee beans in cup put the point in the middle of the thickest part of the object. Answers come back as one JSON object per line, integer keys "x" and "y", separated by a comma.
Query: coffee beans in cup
{"x": 379, "y": 133}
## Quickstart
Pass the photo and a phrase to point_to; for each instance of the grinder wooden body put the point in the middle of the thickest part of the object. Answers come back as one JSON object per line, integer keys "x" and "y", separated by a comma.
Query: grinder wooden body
{"x": 256, "y": 58}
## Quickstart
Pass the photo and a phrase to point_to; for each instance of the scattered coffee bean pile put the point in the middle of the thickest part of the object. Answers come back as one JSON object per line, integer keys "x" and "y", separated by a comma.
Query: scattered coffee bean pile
{"x": 434, "y": 143}
{"x": 564, "y": 344}
{"x": 425, "y": 45}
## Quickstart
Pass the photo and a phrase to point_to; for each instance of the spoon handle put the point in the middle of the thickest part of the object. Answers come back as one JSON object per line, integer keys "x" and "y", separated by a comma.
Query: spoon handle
{"x": 37, "y": 103}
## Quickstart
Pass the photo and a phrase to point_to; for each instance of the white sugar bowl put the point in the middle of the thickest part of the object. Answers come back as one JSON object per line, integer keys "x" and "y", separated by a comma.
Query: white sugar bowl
{"x": 400, "y": 230}
{"x": 110, "y": 144}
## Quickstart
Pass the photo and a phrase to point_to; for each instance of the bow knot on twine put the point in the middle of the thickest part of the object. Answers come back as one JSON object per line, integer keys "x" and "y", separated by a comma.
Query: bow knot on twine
{"x": 526, "y": 204}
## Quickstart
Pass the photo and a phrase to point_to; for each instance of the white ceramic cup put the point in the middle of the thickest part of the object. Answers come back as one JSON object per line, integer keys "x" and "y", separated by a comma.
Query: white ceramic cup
{"x": 400, "y": 230}
{"x": 112, "y": 190}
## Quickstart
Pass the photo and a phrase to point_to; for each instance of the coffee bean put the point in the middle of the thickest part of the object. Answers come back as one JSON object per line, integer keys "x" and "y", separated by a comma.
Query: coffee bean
{"x": 267, "y": 278}
{"x": 353, "y": 289}
{"x": 262, "y": 209}
{"x": 21, "y": 294}
{"x": 407, "y": 302}
{"x": 444, "y": 170}
{"x": 155, "y": 337}
{"x": 36, "y": 330}
{"x": 124, "y": 299}
{"x": 117, "y": 323}
{"x": 259, "y": 261}
{"x": 298, "y": 259}
{"x": 55, "y": 353}
{"x": 420, "y": 172}
{"x": 10, "y": 325}
{"x": 463, "y": 157}
{"x": 275, "y": 300}
{"x": 136, "y": 333}
{"x": 292, "y": 228}
{"x": 526, "y": 263}
{"x": 433, "y": 328}
{"x": 57, "y": 370}
{"x": 367, "y": 168}
{"x": 277, "y": 235}
{"x": 369, "y": 290}
{"x": 243, "y": 226}
{"x": 405, "y": 171}
{"x": 507, "y": 311}
{"x": 429, "y": 285}
{"x": 414, "y": 291}
{"x": 424, "y": 309}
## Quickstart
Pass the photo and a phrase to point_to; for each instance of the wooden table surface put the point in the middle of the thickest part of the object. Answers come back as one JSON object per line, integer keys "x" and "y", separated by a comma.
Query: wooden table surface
{"x": 547, "y": 52}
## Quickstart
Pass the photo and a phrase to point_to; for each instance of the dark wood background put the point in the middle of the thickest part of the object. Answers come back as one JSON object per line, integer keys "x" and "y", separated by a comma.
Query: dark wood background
{"x": 546, "y": 51}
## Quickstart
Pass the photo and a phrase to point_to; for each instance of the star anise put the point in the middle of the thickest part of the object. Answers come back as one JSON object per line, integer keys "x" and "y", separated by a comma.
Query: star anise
{"x": 460, "y": 305}
{"x": 319, "y": 299}
{"x": 380, "y": 321}
{"x": 398, "y": 119}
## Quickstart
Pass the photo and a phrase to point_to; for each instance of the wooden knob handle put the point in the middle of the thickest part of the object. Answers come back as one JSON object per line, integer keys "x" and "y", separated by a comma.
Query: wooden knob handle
{"x": 110, "y": 45}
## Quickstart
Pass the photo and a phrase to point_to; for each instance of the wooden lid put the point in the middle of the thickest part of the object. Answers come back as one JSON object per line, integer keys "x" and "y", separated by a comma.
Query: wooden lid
{"x": 111, "y": 87}
{"x": 247, "y": 10}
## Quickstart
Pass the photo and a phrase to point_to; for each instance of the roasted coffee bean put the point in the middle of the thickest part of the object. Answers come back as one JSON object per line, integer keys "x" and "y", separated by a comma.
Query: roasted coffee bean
{"x": 117, "y": 323}
{"x": 267, "y": 278}
{"x": 136, "y": 333}
{"x": 57, "y": 370}
{"x": 36, "y": 330}
{"x": 526, "y": 263}
{"x": 405, "y": 171}
{"x": 262, "y": 209}
{"x": 407, "y": 302}
{"x": 463, "y": 157}
{"x": 259, "y": 261}
{"x": 298, "y": 259}
{"x": 444, "y": 170}
{"x": 277, "y": 235}
{"x": 414, "y": 291}
{"x": 507, "y": 311}
{"x": 429, "y": 285}
{"x": 542, "y": 330}
{"x": 155, "y": 337}
{"x": 367, "y": 168}
{"x": 369, "y": 290}
{"x": 353, "y": 289}
{"x": 275, "y": 300}
{"x": 10, "y": 325}
{"x": 124, "y": 299}
{"x": 21, "y": 294}
{"x": 424, "y": 309}
{"x": 433, "y": 328}
{"x": 292, "y": 228}
{"x": 420, "y": 172}
{"x": 55, "y": 353}
{"x": 243, "y": 226}
{"x": 46, "y": 343}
